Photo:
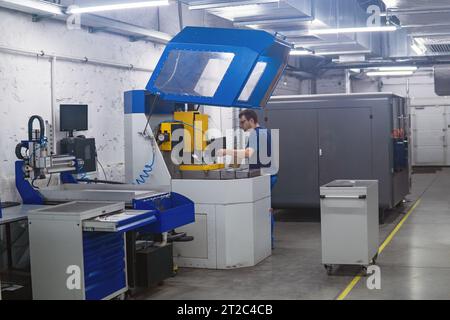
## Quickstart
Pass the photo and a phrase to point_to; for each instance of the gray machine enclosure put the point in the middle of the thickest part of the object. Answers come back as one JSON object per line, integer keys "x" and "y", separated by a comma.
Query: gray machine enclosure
{"x": 330, "y": 137}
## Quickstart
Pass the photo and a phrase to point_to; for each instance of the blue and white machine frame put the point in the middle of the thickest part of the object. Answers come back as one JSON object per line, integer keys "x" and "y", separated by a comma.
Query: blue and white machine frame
{"x": 217, "y": 67}
{"x": 81, "y": 232}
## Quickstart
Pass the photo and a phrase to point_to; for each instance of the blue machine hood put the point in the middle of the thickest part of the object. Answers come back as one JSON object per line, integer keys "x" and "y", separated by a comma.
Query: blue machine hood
{"x": 220, "y": 67}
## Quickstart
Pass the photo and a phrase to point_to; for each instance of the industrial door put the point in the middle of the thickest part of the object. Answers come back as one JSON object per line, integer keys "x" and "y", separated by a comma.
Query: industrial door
{"x": 345, "y": 144}
{"x": 447, "y": 135}
{"x": 297, "y": 178}
{"x": 430, "y": 128}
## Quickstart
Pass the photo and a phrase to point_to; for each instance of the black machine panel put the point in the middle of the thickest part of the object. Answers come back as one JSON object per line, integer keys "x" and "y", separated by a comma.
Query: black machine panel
{"x": 73, "y": 117}
{"x": 81, "y": 148}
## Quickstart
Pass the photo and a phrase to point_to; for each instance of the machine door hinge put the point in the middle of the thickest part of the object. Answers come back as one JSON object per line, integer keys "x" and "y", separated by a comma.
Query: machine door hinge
{"x": 371, "y": 116}
{"x": 320, "y": 152}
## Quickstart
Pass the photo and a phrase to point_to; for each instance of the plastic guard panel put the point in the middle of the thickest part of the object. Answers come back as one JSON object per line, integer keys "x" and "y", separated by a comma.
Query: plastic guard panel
{"x": 220, "y": 67}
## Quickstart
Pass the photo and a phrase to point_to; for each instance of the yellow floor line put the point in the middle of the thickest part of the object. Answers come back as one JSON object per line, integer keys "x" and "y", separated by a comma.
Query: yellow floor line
{"x": 397, "y": 228}
{"x": 349, "y": 287}
{"x": 385, "y": 243}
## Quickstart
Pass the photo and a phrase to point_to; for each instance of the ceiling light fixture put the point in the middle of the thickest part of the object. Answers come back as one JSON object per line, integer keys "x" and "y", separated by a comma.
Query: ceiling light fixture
{"x": 389, "y": 73}
{"x": 400, "y": 68}
{"x": 198, "y": 5}
{"x": 353, "y": 30}
{"x": 300, "y": 52}
{"x": 118, "y": 6}
{"x": 418, "y": 46}
{"x": 390, "y": 3}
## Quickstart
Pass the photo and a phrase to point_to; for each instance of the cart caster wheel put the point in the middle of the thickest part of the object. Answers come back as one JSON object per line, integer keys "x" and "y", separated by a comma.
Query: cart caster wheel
{"x": 329, "y": 269}
{"x": 374, "y": 260}
{"x": 364, "y": 270}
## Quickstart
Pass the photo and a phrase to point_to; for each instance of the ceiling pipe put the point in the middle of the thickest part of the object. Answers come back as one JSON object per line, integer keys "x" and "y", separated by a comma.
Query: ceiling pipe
{"x": 74, "y": 59}
{"x": 40, "y": 10}
{"x": 417, "y": 63}
{"x": 300, "y": 74}
{"x": 411, "y": 11}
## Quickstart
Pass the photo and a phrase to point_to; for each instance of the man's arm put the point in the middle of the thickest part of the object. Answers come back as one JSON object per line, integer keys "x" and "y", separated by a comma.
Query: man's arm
{"x": 236, "y": 153}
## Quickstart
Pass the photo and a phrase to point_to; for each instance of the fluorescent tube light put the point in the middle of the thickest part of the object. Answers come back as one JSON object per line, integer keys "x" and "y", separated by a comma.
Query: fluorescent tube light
{"x": 300, "y": 52}
{"x": 418, "y": 46}
{"x": 118, "y": 6}
{"x": 353, "y": 30}
{"x": 402, "y": 68}
{"x": 419, "y": 51}
{"x": 390, "y": 3}
{"x": 341, "y": 53}
{"x": 389, "y": 73}
{"x": 198, "y": 5}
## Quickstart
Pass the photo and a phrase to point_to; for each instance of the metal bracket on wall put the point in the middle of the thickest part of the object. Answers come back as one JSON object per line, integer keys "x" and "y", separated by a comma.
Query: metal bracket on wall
{"x": 38, "y": 18}
{"x": 134, "y": 38}
{"x": 95, "y": 30}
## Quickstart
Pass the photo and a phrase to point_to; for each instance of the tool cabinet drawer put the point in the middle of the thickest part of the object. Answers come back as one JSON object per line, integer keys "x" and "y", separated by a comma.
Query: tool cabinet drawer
{"x": 120, "y": 222}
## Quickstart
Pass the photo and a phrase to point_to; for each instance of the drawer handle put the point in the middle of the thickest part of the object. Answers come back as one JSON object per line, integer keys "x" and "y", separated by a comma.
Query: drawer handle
{"x": 363, "y": 196}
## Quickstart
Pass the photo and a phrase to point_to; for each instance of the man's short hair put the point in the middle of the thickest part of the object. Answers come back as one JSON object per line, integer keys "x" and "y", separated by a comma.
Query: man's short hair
{"x": 249, "y": 114}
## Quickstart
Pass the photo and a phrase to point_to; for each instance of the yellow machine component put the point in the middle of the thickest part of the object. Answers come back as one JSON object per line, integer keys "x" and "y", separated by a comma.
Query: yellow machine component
{"x": 196, "y": 125}
{"x": 201, "y": 167}
{"x": 166, "y": 129}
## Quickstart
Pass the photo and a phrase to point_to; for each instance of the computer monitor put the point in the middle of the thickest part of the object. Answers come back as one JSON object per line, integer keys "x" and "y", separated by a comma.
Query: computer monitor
{"x": 73, "y": 117}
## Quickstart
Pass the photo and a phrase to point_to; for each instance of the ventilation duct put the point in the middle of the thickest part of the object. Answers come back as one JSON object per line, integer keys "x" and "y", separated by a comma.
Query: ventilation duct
{"x": 442, "y": 80}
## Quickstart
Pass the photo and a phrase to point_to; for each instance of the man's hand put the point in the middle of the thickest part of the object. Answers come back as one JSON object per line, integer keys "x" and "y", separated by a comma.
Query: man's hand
{"x": 222, "y": 152}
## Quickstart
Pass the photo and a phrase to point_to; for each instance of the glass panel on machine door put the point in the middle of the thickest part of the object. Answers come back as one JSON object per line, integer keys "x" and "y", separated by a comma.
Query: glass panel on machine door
{"x": 193, "y": 73}
{"x": 253, "y": 80}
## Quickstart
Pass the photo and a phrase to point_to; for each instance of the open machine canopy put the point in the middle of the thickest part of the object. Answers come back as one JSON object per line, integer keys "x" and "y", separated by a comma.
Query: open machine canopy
{"x": 220, "y": 67}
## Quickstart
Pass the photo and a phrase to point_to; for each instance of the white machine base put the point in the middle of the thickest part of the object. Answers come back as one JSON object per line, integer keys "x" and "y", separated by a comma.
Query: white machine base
{"x": 232, "y": 226}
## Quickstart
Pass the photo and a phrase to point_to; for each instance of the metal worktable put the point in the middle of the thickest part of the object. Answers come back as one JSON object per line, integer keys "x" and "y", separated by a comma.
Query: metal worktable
{"x": 17, "y": 213}
{"x": 11, "y": 215}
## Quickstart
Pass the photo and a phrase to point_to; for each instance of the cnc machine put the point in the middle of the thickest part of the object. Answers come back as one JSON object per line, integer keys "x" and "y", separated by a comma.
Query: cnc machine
{"x": 206, "y": 67}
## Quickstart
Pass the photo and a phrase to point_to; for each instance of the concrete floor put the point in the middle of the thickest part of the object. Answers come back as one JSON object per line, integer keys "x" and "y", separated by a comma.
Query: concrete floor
{"x": 415, "y": 265}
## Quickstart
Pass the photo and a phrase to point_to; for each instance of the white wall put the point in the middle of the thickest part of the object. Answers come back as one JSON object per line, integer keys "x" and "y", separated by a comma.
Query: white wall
{"x": 25, "y": 85}
{"x": 418, "y": 88}
{"x": 288, "y": 85}
{"x": 332, "y": 81}
{"x": 25, "y": 82}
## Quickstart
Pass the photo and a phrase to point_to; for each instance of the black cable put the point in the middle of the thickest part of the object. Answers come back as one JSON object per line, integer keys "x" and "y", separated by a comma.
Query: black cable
{"x": 99, "y": 181}
{"x": 41, "y": 127}
{"x": 32, "y": 184}
{"x": 103, "y": 169}
{"x": 152, "y": 109}
{"x": 49, "y": 180}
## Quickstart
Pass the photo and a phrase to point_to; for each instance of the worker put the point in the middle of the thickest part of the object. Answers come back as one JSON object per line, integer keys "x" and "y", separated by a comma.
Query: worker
{"x": 248, "y": 121}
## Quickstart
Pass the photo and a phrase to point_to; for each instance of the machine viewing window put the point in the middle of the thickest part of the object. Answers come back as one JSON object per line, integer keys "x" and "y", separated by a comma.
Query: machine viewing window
{"x": 193, "y": 73}
{"x": 253, "y": 81}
